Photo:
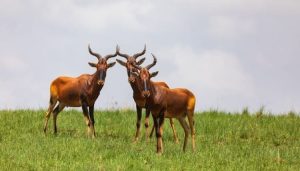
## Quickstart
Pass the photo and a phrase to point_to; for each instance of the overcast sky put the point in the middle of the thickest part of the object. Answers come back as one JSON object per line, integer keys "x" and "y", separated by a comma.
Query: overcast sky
{"x": 232, "y": 54}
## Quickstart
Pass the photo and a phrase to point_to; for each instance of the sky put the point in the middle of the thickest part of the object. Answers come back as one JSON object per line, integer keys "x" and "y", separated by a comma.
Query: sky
{"x": 231, "y": 54}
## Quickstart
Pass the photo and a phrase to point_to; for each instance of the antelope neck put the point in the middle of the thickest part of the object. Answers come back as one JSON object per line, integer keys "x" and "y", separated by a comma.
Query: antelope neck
{"x": 94, "y": 85}
{"x": 135, "y": 87}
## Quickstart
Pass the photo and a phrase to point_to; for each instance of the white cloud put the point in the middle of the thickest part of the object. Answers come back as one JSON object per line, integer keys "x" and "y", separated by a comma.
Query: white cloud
{"x": 214, "y": 69}
{"x": 12, "y": 63}
{"x": 230, "y": 27}
{"x": 6, "y": 99}
{"x": 231, "y": 53}
{"x": 91, "y": 16}
{"x": 287, "y": 7}
{"x": 216, "y": 77}
{"x": 99, "y": 16}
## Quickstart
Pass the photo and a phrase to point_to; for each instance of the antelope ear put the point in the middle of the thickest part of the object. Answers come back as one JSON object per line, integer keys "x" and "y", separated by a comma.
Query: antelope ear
{"x": 140, "y": 61}
{"x": 153, "y": 74}
{"x": 121, "y": 62}
{"x": 92, "y": 64}
{"x": 111, "y": 64}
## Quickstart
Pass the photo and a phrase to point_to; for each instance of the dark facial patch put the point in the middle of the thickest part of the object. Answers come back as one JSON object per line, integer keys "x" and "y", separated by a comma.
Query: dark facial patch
{"x": 102, "y": 74}
{"x": 102, "y": 67}
{"x": 145, "y": 86}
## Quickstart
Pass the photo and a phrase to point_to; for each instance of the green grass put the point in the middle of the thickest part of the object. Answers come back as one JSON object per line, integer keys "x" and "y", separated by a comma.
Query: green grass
{"x": 223, "y": 142}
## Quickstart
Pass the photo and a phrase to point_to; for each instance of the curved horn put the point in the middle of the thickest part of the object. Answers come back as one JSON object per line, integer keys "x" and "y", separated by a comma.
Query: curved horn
{"x": 121, "y": 54}
{"x": 141, "y": 53}
{"x": 153, "y": 63}
{"x": 112, "y": 55}
{"x": 93, "y": 53}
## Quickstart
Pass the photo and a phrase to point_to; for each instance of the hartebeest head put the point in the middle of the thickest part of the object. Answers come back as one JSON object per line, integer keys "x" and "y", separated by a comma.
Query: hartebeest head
{"x": 145, "y": 76}
{"x": 102, "y": 65}
{"x": 130, "y": 61}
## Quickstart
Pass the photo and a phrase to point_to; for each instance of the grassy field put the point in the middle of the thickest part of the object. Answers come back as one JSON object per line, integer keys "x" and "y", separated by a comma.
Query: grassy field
{"x": 223, "y": 142}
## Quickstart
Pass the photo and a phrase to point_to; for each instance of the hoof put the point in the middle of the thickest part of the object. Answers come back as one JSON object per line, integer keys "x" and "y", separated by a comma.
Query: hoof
{"x": 88, "y": 131}
{"x": 135, "y": 141}
{"x": 159, "y": 153}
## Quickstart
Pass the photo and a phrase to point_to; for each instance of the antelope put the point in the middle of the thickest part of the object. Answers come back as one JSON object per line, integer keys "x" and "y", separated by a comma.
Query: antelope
{"x": 137, "y": 94}
{"x": 81, "y": 91}
{"x": 163, "y": 103}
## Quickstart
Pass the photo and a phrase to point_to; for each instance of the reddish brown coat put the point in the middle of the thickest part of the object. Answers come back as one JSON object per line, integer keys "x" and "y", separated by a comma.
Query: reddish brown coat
{"x": 167, "y": 103}
{"x": 137, "y": 94}
{"x": 80, "y": 91}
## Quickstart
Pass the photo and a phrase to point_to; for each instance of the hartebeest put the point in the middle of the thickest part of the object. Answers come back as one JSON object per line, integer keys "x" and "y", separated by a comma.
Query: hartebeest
{"x": 137, "y": 94}
{"x": 80, "y": 91}
{"x": 167, "y": 103}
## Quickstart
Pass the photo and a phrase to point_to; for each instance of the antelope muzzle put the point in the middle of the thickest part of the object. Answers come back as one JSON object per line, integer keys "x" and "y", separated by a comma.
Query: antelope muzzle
{"x": 146, "y": 93}
{"x": 100, "y": 82}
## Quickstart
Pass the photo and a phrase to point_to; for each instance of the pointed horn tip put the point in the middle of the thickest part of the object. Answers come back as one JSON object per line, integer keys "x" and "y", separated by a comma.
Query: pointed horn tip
{"x": 153, "y": 56}
{"x": 117, "y": 50}
{"x": 89, "y": 47}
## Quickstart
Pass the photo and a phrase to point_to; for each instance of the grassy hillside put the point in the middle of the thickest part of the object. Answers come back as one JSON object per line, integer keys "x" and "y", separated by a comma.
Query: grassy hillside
{"x": 223, "y": 142}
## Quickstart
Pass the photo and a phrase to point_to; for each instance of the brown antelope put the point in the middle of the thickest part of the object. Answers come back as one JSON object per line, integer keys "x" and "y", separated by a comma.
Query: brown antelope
{"x": 167, "y": 103}
{"x": 137, "y": 94}
{"x": 80, "y": 91}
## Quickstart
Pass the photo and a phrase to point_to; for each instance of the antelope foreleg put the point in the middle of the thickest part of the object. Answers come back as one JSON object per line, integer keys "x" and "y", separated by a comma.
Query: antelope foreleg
{"x": 91, "y": 114}
{"x": 147, "y": 124}
{"x": 152, "y": 130}
{"x": 158, "y": 123}
{"x": 138, "y": 122}
{"x": 87, "y": 117}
